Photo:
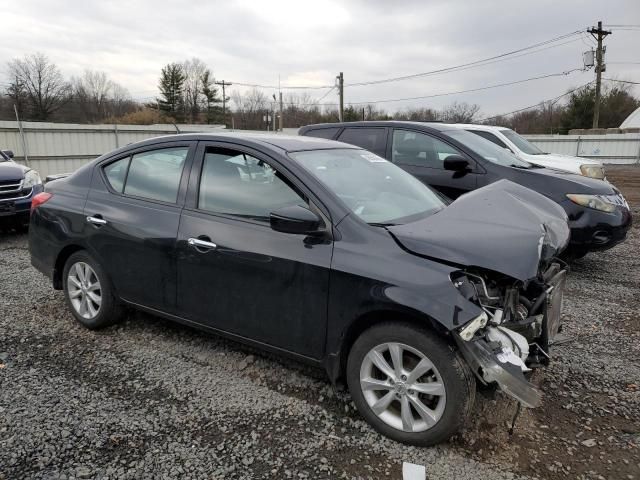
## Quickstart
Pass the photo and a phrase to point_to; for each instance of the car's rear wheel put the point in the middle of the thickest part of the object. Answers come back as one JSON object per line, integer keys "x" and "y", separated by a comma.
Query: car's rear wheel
{"x": 409, "y": 384}
{"x": 88, "y": 292}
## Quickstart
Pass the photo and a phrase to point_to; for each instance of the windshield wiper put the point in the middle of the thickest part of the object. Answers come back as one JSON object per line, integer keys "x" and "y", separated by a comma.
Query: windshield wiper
{"x": 382, "y": 224}
{"x": 523, "y": 167}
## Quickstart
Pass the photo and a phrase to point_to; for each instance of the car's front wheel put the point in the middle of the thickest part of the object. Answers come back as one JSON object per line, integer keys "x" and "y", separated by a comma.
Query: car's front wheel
{"x": 409, "y": 384}
{"x": 88, "y": 292}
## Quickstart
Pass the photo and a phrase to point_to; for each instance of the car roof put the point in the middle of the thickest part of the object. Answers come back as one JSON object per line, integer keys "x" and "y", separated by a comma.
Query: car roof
{"x": 484, "y": 128}
{"x": 380, "y": 123}
{"x": 286, "y": 143}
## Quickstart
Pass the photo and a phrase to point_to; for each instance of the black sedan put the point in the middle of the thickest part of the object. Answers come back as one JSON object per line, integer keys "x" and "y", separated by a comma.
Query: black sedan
{"x": 320, "y": 251}
{"x": 455, "y": 161}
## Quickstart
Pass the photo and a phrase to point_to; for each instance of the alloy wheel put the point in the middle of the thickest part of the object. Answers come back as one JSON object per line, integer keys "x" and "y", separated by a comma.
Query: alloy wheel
{"x": 402, "y": 387}
{"x": 83, "y": 288}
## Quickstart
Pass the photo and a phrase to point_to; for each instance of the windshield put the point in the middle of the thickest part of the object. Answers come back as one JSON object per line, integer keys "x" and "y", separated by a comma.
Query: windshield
{"x": 3, "y": 157}
{"x": 487, "y": 149}
{"x": 376, "y": 190}
{"x": 522, "y": 143}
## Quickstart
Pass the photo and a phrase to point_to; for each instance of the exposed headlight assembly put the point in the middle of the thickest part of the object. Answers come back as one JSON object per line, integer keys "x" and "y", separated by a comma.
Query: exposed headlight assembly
{"x": 592, "y": 170}
{"x": 597, "y": 202}
{"x": 31, "y": 179}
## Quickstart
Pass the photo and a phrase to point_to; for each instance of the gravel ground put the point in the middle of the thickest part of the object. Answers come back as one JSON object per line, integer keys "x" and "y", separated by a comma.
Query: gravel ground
{"x": 150, "y": 399}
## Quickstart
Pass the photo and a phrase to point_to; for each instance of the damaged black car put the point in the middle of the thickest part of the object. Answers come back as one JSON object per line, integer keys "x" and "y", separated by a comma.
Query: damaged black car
{"x": 322, "y": 252}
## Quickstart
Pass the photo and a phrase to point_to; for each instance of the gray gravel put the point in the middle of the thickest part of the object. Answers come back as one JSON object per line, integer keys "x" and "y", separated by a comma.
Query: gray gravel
{"x": 150, "y": 399}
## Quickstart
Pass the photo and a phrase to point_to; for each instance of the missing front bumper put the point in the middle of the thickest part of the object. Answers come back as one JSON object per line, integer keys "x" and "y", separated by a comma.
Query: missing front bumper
{"x": 488, "y": 368}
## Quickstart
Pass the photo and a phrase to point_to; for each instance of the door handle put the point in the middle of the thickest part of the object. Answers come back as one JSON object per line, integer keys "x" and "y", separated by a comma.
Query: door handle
{"x": 201, "y": 244}
{"x": 97, "y": 221}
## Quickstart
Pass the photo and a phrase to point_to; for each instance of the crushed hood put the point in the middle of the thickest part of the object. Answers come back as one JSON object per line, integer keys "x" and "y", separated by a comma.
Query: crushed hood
{"x": 503, "y": 227}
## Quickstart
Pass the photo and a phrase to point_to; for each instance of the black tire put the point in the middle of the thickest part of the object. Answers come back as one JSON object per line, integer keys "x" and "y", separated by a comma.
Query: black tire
{"x": 458, "y": 380}
{"x": 110, "y": 310}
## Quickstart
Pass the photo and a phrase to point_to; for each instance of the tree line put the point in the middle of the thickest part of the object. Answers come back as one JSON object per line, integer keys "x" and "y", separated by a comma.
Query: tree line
{"x": 188, "y": 93}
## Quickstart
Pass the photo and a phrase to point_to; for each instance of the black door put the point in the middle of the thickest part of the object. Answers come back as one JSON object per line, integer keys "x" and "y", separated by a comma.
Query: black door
{"x": 423, "y": 156}
{"x": 238, "y": 275}
{"x": 132, "y": 217}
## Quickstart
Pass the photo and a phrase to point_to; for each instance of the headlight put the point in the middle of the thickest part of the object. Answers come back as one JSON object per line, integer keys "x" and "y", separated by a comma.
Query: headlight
{"x": 31, "y": 179}
{"x": 592, "y": 201}
{"x": 593, "y": 171}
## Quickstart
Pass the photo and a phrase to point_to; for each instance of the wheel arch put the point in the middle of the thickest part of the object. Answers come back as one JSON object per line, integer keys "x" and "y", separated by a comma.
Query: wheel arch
{"x": 61, "y": 259}
{"x": 337, "y": 362}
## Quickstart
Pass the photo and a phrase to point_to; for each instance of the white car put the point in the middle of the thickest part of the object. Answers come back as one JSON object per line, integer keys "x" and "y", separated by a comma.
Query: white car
{"x": 525, "y": 150}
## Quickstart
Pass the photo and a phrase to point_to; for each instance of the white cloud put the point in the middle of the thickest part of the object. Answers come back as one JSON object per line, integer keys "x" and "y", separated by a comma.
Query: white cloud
{"x": 257, "y": 41}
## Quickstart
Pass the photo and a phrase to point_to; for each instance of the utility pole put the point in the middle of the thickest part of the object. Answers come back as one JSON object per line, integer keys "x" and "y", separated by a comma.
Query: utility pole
{"x": 224, "y": 99}
{"x": 281, "y": 120}
{"x": 598, "y": 34}
{"x": 340, "y": 81}
{"x": 24, "y": 142}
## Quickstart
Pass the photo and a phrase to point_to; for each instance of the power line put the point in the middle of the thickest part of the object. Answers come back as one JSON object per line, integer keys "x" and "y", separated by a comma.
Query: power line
{"x": 538, "y": 104}
{"x": 283, "y": 87}
{"x": 469, "y": 64}
{"x": 477, "y": 63}
{"x": 325, "y": 95}
{"x": 487, "y": 87}
{"x": 621, "y": 81}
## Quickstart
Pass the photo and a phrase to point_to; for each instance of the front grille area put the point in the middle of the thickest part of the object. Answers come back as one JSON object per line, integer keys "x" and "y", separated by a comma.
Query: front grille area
{"x": 12, "y": 190}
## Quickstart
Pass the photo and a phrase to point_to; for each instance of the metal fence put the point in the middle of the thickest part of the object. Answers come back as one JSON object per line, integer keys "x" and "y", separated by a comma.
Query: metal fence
{"x": 53, "y": 148}
{"x": 62, "y": 147}
{"x": 623, "y": 148}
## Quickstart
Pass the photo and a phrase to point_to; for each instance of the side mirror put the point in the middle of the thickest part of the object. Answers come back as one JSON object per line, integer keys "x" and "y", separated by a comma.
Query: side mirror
{"x": 8, "y": 153}
{"x": 457, "y": 163}
{"x": 295, "y": 219}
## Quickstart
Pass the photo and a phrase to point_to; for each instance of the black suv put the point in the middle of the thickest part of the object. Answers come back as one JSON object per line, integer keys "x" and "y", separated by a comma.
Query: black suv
{"x": 18, "y": 185}
{"x": 454, "y": 161}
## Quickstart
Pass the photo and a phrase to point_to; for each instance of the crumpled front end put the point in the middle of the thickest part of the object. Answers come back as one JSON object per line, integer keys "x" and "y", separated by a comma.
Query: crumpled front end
{"x": 519, "y": 323}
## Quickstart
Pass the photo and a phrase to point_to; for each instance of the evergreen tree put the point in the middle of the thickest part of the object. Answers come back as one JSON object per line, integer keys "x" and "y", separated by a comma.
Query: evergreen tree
{"x": 210, "y": 93}
{"x": 171, "y": 89}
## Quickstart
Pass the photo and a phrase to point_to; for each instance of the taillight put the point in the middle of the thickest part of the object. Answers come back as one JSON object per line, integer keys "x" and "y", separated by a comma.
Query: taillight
{"x": 39, "y": 199}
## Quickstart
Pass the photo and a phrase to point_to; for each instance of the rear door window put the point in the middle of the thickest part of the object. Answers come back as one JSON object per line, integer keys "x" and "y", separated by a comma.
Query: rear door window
{"x": 156, "y": 174}
{"x": 372, "y": 139}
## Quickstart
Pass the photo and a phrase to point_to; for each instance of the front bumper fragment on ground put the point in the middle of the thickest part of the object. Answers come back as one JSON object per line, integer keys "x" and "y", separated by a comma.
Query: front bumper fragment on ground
{"x": 489, "y": 369}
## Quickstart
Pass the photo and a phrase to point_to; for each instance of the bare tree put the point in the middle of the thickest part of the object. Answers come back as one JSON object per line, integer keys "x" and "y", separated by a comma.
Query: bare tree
{"x": 120, "y": 101}
{"x": 460, "y": 112}
{"x": 250, "y": 108}
{"x": 45, "y": 88}
{"x": 92, "y": 93}
{"x": 194, "y": 70}
{"x": 423, "y": 114}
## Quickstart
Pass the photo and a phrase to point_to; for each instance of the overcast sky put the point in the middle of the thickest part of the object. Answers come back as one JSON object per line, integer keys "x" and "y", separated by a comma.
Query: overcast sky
{"x": 309, "y": 42}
